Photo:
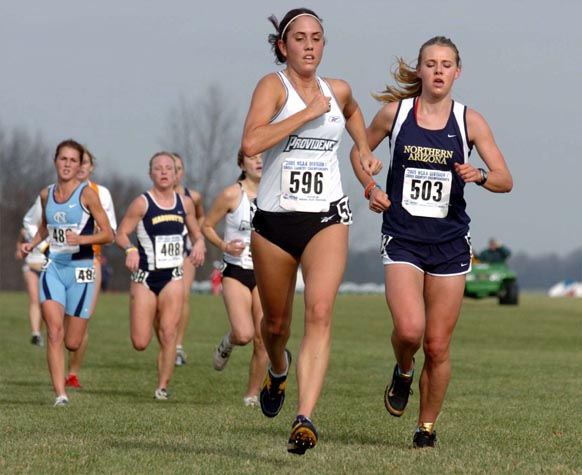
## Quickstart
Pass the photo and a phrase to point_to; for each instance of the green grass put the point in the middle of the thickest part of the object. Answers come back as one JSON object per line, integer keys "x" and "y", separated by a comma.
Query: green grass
{"x": 513, "y": 405}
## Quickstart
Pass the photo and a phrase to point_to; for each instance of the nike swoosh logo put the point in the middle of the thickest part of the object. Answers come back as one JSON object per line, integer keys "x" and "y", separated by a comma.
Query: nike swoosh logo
{"x": 451, "y": 136}
{"x": 464, "y": 265}
{"x": 72, "y": 206}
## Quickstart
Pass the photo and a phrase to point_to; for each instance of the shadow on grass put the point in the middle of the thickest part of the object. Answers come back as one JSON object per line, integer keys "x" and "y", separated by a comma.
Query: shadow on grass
{"x": 27, "y": 383}
{"x": 352, "y": 435}
{"x": 132, "y": 394}
{"x": 191, "y": 448}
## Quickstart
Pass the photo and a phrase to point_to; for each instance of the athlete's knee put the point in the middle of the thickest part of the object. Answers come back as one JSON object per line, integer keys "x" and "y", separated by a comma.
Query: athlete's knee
{"x": 73, "y": 345}
{"x": 319, "y": 314}
{"x": 55, "y": 333}
{"x": 242, "y": 336}
{"x": 168, "y": 335}
{"x": 436, "y": 350}
{"x": 275, "y": 327}
{"x": 140, "y": 343}
{"x": 406, "y": 335}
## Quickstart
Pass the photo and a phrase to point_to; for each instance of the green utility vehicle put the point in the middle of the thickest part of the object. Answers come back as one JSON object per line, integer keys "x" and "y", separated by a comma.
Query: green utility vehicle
{"x": 492, "y": 280}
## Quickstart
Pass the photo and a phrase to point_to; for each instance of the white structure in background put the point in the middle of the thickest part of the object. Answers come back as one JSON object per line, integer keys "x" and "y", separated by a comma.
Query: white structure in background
{"x": 566, "y": 288}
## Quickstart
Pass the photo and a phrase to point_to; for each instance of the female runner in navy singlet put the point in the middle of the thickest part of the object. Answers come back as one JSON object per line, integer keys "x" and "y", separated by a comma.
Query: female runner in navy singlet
{"x": 189, "y": 268}
{"x": 426, "y": 248}
{"x": 296, "y": 120}
{"x": 156, "y": 291}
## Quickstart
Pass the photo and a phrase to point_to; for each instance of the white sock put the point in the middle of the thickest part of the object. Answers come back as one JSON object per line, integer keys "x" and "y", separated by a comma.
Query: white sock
{"x": 284, "y": 373}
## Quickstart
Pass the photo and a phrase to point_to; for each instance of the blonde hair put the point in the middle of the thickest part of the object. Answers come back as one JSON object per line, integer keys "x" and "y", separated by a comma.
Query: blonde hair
{"x": 159, "y": 154}
{"x": 91, "y": 157}
{"x": 408, "y": 82}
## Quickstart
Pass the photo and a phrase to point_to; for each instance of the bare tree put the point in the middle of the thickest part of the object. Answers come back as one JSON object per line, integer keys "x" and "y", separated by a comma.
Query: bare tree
{"x": 206, "y": 133}
{"x": 26, "y": 167}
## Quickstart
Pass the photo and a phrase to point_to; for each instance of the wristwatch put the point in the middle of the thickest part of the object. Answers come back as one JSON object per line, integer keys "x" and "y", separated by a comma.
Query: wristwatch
{"x": 483, "y": 177}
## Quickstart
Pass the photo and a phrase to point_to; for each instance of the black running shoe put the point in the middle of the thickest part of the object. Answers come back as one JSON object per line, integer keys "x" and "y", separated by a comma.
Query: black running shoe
{"x": 303, "y": 436}
{"x": 423, "y": 439}
{"x": 397, "y": 393}
{"x": 272, "y": 394}
{"x": 37, "y": 340}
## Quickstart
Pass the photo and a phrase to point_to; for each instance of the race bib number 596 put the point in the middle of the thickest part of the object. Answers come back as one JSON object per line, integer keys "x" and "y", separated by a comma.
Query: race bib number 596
{"x": 305, "y": 185}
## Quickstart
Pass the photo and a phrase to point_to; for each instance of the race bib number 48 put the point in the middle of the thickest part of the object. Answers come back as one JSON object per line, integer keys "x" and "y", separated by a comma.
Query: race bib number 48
{"x": 84, "y": 275}
{"x": 427, "y": 193}
{"x": 305, "y": 185}
{"x": 58, "y": 239}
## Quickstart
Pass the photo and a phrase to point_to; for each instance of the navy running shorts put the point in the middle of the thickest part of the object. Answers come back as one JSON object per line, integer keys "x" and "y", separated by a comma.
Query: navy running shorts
{"x": 443, "y": 259}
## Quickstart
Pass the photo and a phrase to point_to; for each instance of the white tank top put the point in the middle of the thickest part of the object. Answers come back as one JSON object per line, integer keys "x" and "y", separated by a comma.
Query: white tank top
{"x": 238, "y": 226}
{"x": 301, "y": 173}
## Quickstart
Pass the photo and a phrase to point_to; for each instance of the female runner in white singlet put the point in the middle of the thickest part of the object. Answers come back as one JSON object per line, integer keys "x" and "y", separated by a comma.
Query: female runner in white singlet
{"x": 296, "y": 120}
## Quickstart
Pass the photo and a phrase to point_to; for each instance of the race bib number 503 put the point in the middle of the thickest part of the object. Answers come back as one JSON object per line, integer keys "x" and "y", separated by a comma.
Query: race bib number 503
{"x": 426, "y": 193}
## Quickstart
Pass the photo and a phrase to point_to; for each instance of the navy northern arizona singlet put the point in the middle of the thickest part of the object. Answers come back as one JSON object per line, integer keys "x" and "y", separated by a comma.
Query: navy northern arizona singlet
{"x": 70, "y": 215}
{"x": 159, "y": 235}
{"x": 426, "y": 193}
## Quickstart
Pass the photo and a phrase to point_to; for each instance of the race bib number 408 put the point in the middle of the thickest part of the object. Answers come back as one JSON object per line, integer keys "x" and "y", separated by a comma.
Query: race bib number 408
{"x": 169, "y": 251}
{"x": 427, "y": 193}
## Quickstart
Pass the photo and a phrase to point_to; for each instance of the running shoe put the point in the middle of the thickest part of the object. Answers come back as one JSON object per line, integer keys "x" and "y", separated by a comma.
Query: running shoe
{"x": 251, "y": 401}
{"x": 161, "y": 394}
{"x": 397, "y": 392}
{"x": 423, "y": 439}
{"x": 37, "y": 340}
{"x": 180, "y": 357}
{"x": 272, "y": 394}
{"x": 61, "y": 401}
{"x": 73, "y": 382}
{"x": 222, "y": 353}
{"x": 303, "y": 436}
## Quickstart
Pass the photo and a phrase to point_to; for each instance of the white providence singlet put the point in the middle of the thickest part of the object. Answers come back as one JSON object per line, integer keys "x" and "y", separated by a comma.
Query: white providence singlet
{"x": 301, "y": 173}
{"x": 238, "y": 226}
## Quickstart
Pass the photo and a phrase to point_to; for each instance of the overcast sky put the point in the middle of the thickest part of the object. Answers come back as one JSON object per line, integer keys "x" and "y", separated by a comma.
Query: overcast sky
{"x": 108, "y": 73}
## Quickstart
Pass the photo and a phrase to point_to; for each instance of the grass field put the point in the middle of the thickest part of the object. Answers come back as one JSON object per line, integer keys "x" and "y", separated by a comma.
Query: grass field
{"x": 514, "y": 404}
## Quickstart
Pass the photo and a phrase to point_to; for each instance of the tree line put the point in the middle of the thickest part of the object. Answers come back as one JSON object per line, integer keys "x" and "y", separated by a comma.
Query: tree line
{"x": 538, "y": 272}
{"x": 201, "y": 131}
{"x": 205, "y": 135}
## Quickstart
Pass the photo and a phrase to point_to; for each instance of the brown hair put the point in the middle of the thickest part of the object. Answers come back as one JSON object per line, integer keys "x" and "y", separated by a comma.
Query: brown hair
{"x": 408, "y": 82}
{"x": 282, "y": 30}
{"x": 71, "y": 144}
{"x": 240, "y": 159}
